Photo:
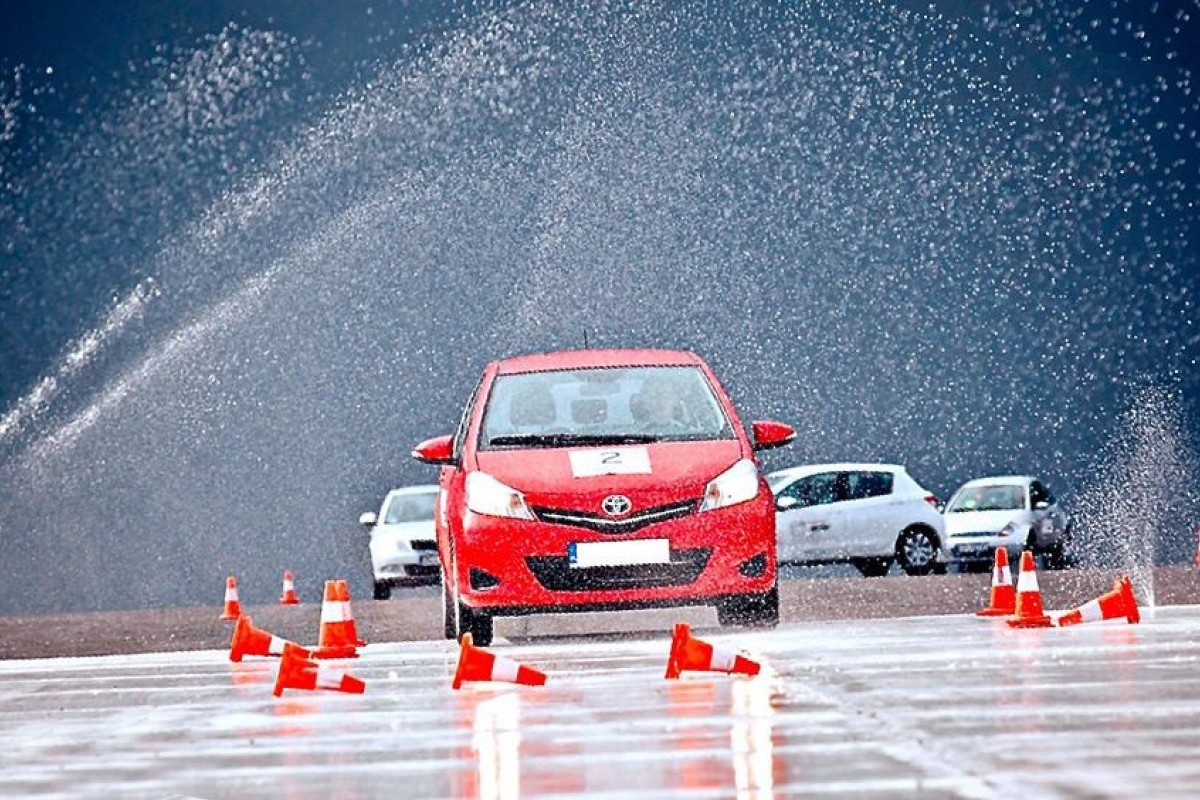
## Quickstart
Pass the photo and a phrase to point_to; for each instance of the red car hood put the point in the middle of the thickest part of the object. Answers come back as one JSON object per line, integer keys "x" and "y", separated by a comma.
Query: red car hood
{"x": 649, "y": 475}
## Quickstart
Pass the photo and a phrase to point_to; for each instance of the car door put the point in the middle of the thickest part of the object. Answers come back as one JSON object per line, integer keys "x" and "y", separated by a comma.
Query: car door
{"x": 868, "y": 517}
{"x": 806, "y": 519}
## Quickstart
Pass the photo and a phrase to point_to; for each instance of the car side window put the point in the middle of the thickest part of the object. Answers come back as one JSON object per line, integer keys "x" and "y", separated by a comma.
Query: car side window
{"x": 812, "y": 490}
{"x": 1038, "y": 494}
{"x": 861, "y": 485}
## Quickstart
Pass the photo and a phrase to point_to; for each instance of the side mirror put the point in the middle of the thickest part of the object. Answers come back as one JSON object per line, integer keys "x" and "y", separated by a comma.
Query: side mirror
{"x": 1041, "y": 505}
{"x": 438, "y": 450}
{"x": 784, "y": 503}
{"x": 367, "y": 520}
{"x": 769, "y": 434}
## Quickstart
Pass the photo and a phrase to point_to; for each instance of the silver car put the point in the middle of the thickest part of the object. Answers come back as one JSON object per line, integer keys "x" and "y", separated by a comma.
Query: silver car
{"x": 403, "y": 544}
{"x": 1016, "y": 512}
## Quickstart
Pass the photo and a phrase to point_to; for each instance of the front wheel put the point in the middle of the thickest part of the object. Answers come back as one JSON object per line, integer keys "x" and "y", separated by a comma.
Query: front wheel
{"x": 916, "y": 550}
{"x": 476, "y": 623}
{"x": 750, "y": 610}
{"x": 382, "y": 590}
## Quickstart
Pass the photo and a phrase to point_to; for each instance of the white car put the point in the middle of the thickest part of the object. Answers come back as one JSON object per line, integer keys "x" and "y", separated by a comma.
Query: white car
{"x": 868, "y": 515}
{"x": 403, "y": 543}
{"x": 1016, "y": 512}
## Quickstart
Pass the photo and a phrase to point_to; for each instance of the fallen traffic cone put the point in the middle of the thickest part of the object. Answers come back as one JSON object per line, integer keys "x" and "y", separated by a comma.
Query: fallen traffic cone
{"x": 479, "y": 665}
{"x": 233, "y": 606}
{"x": 1004, "y": 599}
{"x": 288, "y": 598}
{"x": 688, "y": 652}
{"x": 1028, "y": 613}
{"x": 334, "y": 640}
{"x": 297, "y": 671}
{"x": 348, "y": 614}
{"x": 251, "y": 641}
{"x": 1117, "y": 603}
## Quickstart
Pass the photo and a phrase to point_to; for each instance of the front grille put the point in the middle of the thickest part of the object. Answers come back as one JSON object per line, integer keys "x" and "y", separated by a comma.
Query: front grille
{"x": 556, "y": 574}
{"x": 423, "y": 544}
{"x": 604, "y": 524}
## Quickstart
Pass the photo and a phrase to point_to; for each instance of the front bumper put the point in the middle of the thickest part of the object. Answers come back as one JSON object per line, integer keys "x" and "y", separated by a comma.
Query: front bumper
{"x": 521, "y": 566}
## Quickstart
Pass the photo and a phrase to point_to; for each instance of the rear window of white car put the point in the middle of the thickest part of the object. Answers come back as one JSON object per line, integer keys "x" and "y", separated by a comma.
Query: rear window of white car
{"x": 869, "y": 484}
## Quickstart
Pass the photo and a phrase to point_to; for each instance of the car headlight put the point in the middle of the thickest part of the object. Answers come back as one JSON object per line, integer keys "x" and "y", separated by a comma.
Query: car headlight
{"x": 735, "y": 485}
{"x": 1010, "y": 529}
{"x": 486, "y": 495}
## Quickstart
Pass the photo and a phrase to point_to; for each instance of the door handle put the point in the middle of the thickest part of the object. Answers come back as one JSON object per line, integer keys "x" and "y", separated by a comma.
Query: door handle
{"x": 819, "y": 526}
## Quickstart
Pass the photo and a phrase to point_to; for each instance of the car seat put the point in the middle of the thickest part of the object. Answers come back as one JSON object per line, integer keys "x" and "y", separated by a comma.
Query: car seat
{"x": 532, "y": 406}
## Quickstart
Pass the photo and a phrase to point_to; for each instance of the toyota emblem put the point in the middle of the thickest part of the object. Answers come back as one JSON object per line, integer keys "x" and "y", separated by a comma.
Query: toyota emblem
{"x": 616, "y": 505}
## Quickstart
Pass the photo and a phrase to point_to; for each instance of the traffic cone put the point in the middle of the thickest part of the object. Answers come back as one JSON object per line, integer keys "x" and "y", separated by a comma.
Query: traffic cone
{"x": 288, "y": 598}
{"x": 334, "y": 640}
{"x": 297, "y": 671}
{"x": 233, "y": 606}
{"x": 1028, "y": 613}
{"x": 1117, "y": 603}
{"x": 1004, "y": 599}
{"x": 479, "y": 665}
{"x": 687, "y": 652}
{"x": 251, "y": 641}
{"x": 348, "y": 614}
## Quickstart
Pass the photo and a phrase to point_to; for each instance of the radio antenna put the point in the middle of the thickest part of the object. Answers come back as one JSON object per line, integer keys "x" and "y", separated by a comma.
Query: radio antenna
{"x": 585, "y": 339}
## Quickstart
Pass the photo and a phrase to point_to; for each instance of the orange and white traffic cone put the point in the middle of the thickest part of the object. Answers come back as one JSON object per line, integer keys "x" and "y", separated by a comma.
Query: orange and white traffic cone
{"x": 479, "y": 665}
{"x": 1003, "y": 601}
{"x": 348, "y": 614}
{"x": 233, "y": 606}
{"x": 251, "y": 641}
{"x": 1115, "y": 604}
{"x": 288, "y": 598}
{"x": 297, "y": 671}
{"x": 690, "y": 653}
{"x": 334, "y": 640}
{"x": 1029, "y": 612}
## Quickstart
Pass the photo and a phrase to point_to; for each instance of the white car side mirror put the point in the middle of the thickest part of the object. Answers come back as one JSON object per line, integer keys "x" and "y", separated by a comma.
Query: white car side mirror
{"x": 784, "y": 503}
{"x": 367, "y": 519}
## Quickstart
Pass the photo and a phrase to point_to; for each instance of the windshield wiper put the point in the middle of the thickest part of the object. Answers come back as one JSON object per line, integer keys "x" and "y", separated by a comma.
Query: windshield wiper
{"x": 567, "y": 439}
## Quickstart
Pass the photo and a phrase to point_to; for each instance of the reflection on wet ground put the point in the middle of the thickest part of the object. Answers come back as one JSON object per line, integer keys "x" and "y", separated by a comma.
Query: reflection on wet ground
{"x": 951, "y": 706}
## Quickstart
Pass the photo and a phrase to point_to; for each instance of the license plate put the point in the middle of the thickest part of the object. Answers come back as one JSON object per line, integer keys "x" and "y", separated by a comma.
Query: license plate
{"x": 619, "y": 554}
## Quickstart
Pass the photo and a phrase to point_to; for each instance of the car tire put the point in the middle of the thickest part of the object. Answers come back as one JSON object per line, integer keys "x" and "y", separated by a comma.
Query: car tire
{"x": 382, "y": 590}
{"x": 750, "y": 610}
{"x": 872, "y": 567}
{"x": 476, "y": 623}
{"x": 916, "y": 551}
{"x": 449, "y": 621}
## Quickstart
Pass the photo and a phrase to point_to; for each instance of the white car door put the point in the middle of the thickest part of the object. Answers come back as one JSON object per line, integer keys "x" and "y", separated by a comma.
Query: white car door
{"x": 807, "y": 518}
{"x": 871, "y": 516}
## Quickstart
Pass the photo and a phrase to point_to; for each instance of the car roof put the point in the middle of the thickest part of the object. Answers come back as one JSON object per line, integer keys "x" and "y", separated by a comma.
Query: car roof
{"x": 840, "y": 466}
{"x": 590, "y": 359}
{"x": 429, "y": 488}
{"x": 1000, "y": 480}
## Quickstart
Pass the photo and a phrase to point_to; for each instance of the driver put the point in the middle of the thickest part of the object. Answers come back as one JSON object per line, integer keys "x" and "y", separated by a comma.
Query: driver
{"x": 657, "y": 404}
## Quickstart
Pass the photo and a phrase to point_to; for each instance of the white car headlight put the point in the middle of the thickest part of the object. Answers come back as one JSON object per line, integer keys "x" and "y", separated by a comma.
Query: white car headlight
{"x": 735, "y": 485}
{"x": 1010, "y": 529}
{"x": 486, "y": 495}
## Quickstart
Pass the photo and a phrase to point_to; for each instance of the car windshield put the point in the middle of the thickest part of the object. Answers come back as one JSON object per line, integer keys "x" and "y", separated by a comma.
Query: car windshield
{"x": 411, "y": 508}
{"x": 988, "y": 498}
{"x": 625, "y": 405}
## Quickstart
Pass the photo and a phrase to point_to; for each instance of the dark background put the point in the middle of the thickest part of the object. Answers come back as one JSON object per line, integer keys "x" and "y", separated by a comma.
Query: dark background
{"x": 251, "y": 252}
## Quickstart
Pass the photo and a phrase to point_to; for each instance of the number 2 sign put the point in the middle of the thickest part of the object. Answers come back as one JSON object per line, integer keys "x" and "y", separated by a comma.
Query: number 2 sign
{"x": 610, "y": 461}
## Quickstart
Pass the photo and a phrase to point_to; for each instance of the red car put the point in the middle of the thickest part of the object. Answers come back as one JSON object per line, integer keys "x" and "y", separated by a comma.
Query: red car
{"x": 603, "y": 479}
